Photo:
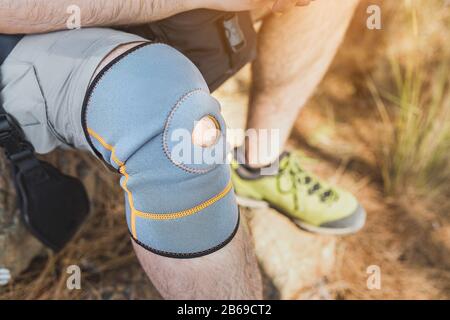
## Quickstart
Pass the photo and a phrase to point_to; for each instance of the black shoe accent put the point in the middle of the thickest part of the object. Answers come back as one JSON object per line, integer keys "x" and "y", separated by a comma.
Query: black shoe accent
{"x": 249, "y": 173}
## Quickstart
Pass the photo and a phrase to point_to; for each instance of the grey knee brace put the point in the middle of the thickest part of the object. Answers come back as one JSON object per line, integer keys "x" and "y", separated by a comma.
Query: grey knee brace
{"x": 132, "y": 112}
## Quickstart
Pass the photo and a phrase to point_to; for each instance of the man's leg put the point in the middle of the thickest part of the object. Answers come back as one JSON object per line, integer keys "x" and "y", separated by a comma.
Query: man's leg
{"x": 230, "y": 273}
{"x": 295, "y": 51}
{"x": 222, "y": 264}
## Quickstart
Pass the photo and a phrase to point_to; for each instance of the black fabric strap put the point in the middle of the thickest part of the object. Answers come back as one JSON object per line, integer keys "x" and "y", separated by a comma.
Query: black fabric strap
{"x": 12, "y": 139}
{"x": 7, "y": 44}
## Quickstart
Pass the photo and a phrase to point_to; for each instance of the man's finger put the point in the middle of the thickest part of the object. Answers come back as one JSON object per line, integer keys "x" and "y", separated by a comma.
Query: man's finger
{"x": 283, "y": 5}
{"x": 301, "y": 3}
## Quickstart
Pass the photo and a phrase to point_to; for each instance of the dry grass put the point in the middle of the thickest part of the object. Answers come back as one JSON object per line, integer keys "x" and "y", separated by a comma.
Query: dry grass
{"x": 101, "y": 249}
{"x": 414, "y": 153}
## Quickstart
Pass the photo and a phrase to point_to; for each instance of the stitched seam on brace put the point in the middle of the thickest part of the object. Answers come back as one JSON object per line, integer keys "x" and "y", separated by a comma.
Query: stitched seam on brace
{"x": 166, "y": 131}
{"x": 107, "y": 146}
{"x": 122, "y": 170}
{"x": 188, "y": 212}
{"x": 194, "y": 254}
{"x": 150, "y": 215}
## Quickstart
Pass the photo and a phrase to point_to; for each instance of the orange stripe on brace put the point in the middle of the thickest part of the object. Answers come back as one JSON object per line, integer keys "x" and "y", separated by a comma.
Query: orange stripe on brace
{"x": 150, "y": 215}
{"x": 187, "y": 212}
{"x": 123, "y": 171}
{"x": 106, "y": 146}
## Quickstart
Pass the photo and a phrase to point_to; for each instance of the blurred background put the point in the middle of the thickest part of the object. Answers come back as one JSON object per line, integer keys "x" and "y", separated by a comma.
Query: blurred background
{"x": 378, "y": 125}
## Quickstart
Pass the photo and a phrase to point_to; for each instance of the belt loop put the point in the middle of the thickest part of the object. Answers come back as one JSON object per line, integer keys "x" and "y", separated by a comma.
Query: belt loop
{"x": 233, "y": 33}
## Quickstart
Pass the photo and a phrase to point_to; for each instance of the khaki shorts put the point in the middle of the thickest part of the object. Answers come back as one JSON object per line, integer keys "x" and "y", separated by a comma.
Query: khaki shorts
{"x": 45, "y": 78}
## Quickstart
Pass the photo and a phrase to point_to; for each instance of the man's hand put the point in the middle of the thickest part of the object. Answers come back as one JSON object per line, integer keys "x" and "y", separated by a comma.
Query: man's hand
{"x": 234, "y": 5}
{"x": 245, "y": 5}
{"x": 285, "y": 5}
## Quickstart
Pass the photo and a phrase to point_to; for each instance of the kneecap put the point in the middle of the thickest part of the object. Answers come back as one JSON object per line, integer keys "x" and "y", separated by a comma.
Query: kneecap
{"x": 140, "y": 116}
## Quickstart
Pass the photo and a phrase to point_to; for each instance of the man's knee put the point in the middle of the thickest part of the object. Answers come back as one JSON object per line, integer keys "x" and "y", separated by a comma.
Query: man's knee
{"x": 145, "y": 115}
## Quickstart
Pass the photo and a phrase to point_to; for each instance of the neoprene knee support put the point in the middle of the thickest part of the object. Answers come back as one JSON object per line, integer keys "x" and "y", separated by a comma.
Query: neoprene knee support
{"x": 131, "y": 112}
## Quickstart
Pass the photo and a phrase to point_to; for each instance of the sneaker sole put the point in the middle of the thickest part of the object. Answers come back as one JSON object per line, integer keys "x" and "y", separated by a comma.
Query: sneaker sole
{"x": 259, "y": 204}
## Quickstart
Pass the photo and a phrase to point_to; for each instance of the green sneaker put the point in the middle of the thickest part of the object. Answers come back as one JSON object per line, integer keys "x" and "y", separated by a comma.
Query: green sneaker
{"x": 313, "y": 205}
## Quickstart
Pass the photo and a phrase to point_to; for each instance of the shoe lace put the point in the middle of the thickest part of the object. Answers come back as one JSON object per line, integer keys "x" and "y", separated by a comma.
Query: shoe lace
{"x": 302, "y": 183}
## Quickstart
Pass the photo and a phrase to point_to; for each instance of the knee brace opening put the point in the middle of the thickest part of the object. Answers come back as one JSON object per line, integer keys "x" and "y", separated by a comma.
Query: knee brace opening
{"x": 206, "y": 132}
{"x": 179, "y": 144}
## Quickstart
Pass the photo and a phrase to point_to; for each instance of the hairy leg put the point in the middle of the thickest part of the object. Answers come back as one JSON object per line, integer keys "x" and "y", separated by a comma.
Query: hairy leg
{"x": 229, "y": 273}
{"x": 294, "y": 52}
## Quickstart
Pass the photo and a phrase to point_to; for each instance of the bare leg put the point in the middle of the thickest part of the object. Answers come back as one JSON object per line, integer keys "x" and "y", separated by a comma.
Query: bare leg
{"x": 295, "y": 50}
{"x": 230, "y": 273}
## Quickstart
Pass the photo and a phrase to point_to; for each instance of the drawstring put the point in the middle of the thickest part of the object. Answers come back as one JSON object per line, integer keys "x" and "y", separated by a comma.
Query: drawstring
{"x": 291, "y": 171}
